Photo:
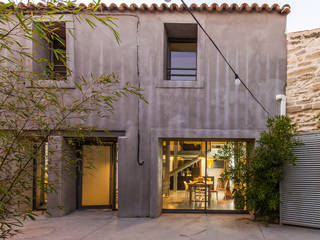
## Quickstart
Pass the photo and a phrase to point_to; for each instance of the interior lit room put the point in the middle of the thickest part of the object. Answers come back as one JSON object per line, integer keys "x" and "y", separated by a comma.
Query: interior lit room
{"x": 195, "y": 174}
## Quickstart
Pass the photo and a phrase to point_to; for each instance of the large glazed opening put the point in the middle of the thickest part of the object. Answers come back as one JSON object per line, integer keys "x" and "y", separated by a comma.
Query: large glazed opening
{"x": 194, "y": 175}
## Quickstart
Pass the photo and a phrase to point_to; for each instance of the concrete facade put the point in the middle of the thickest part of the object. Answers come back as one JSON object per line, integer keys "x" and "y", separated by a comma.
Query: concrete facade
{"x": 213, "y": 107}
{"x": 63, "y": 201}
{"x": 303, "y": 87}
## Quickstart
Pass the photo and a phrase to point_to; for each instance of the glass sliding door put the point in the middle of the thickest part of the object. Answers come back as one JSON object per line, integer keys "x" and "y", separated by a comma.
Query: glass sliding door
{"x": 219, "y": 162}
{"x": 222, "y": 157}
{"x": 195, "y": 174}
{"x": 183, "y": 175}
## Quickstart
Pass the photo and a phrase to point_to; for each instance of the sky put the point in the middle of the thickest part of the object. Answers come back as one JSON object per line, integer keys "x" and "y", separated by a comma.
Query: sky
{"x": 305, "y": 14}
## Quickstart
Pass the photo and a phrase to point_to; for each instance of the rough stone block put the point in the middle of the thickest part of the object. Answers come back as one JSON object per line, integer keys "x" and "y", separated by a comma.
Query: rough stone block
{"x": 291, "y": 80}
{"x": 294, "y": 42}
{"x": 307, "y": 76}
{"x": 307, "y": 106}
{"x": 316, "y": 87}
{"x": 296, "y": 37}
{"x": 302, "y": 71}
{"x": 294, "y": 109}
{"x": 304, "y": 64}
{"x": 292, "y": 50}
{"x": 301, "y": 52}
{"x": 316, "y": 105}
{"x": 313, "y": 55}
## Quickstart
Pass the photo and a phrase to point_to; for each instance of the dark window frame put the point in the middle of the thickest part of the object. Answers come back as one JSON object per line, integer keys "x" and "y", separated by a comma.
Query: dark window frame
{"x": 168, "y": 65}
{"x": 55, "y": 74}
{"x": 57, "y": 45}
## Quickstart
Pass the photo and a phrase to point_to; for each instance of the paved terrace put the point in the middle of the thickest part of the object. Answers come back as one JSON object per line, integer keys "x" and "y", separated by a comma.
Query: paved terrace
{"x": 100, "y": 224}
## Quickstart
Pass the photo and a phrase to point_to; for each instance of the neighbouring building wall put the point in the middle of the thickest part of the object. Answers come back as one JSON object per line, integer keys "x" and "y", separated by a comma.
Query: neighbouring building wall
{"x": 303, "y": 79}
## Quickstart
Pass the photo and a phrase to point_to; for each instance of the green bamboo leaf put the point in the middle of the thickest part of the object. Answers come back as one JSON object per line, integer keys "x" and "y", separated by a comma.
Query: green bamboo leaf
{"x": 91, "y": 24}
{"x": 78, "y": 86}
{"x": 71, "y": 33}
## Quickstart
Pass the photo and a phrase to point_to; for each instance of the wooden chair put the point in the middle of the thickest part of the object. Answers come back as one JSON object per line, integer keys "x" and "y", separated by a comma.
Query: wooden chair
{"x": 223, "y": 186}
{"x": 213, "y": 191}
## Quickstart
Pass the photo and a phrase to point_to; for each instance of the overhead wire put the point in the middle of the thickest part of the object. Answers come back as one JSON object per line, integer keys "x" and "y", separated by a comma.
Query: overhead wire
{"x": 225, "y": 59}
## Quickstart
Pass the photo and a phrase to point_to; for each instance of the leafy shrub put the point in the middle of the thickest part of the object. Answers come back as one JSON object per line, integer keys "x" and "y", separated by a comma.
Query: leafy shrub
{"x": 257, "y": 174}
{"x": 275, "y": 148}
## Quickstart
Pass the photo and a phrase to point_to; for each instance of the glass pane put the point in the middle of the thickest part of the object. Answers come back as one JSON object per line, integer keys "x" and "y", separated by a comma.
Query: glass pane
{"x": 117, "y": 182}
{"x": 96, "y": 176}
{"x": 221, "y": 157}
{"x": 183, "y": 59}
{"x": 183, "y": 178}
{"x": 41, "y": 179}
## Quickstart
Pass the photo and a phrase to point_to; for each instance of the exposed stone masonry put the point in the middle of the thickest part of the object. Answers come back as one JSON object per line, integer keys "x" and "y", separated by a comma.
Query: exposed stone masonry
{"x": 303, "y": 79}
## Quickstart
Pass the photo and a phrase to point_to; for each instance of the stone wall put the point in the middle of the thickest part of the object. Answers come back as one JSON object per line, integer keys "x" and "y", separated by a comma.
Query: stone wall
{"x": 303, "y": 79}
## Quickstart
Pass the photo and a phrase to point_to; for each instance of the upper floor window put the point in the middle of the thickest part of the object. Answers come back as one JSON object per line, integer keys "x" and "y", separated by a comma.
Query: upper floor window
{"x": 181, "y": 55}
{"x": 50, "y": 51}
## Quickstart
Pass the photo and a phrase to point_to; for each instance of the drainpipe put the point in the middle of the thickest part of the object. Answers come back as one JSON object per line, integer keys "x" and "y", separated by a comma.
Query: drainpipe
{"x": 283, "y": 103}
{"x": 140, "y": 163}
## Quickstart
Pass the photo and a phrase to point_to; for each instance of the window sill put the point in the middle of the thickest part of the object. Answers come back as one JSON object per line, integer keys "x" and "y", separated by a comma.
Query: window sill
{"x": 180, "y": 84}
{"x": 67, "y": 84}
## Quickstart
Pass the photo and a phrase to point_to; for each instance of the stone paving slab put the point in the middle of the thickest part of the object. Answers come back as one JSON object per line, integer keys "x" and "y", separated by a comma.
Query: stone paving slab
{"x": 102, "y": 224}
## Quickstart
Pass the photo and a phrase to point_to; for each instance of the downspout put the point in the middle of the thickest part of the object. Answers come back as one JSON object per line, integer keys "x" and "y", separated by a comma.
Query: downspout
{"x": 140, "y": 163}
{"x": 283, "y": 103}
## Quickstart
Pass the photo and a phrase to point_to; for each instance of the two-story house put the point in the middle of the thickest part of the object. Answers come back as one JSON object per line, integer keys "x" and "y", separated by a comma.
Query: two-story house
{"x": 161, "y": 156}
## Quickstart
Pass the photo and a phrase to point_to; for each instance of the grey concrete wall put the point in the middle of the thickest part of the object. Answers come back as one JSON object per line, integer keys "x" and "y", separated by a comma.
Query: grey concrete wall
{"x": 214, "y": 107}
{"x": 211, "y": 107}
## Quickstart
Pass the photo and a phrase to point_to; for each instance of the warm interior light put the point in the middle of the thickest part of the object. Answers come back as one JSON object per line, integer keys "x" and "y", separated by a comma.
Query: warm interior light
{"x": 202, "y": 156}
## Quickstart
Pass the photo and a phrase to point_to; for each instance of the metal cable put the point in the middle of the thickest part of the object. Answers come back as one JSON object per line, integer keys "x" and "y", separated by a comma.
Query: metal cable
{"x": 225, "y": 59}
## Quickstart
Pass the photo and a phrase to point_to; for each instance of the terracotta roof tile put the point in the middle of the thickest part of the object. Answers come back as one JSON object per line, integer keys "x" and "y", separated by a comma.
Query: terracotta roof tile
{"x": 172, "y": 8}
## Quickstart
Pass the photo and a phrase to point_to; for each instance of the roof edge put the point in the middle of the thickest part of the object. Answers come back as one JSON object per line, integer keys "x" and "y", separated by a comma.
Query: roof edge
{"x": 244, "y": 7}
